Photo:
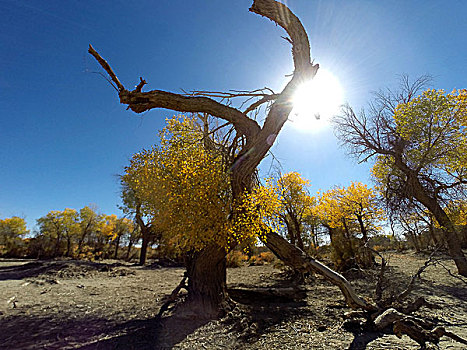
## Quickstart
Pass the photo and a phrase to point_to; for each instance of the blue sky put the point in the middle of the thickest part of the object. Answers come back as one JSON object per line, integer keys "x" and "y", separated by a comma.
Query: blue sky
{"x": 64, "y": 136}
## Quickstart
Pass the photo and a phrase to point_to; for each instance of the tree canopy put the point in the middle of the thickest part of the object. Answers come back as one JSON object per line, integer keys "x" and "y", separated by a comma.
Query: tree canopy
{"x": 420, "y": 144}
{"x": 184, "y": 186}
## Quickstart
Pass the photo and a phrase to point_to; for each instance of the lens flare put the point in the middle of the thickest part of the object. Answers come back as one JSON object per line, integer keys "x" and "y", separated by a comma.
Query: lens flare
{"x": 316, "y": 102}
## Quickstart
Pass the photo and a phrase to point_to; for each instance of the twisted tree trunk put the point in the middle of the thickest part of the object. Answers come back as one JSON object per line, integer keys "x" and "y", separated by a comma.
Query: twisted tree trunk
{"x": 207, "y": 286}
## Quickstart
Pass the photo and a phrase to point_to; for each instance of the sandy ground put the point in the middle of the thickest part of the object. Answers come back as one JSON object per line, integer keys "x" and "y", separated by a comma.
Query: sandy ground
{"x": 110, "y": 305}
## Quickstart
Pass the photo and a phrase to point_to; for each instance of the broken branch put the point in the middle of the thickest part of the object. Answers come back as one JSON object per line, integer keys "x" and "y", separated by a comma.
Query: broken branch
{"x": 106, "y": 67}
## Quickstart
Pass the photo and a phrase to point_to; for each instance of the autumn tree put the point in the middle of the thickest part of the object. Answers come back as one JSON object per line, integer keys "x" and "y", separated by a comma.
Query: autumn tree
{"x": 133, "y": 205}
{"x": 69, "y": 220}
{"x": 184, "y": 187}
{"x": 90, "y": 223}
{"x": 12, "y": 232}
{"x": 420, "y": 147}
{"x": 296, "y": 206}
{"x": 254, "y": 140}
{"x": 52, "y": 227}
{"x": 83, "y": 234}
{"x": 123, "y": 227}
{"x": 351, "y": 215}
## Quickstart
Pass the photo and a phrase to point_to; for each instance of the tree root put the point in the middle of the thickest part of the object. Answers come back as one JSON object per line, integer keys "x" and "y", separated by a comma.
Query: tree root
{"x": 173, "y": 296}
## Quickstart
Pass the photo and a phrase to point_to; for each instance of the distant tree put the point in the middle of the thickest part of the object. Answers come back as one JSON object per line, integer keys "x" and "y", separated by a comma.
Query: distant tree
{"x": 12, "y": 232}
{"x": 457, "y": 212}
{"x": 296, "y": 206}
{"x": 351, "y": 214}
{"x": 131, "y": 238}
{"x": 90, "y": 223}
{"x": 420, "y": 143}
{"x": 70, "y": 225}
{"x": 123, "y": 227}
{"x": 133, "y": 205}
{"x": 52, "y": 228}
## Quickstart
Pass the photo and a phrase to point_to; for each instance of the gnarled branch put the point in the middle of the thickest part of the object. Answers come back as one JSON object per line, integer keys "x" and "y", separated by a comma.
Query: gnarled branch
{"x": 281, "y": 14}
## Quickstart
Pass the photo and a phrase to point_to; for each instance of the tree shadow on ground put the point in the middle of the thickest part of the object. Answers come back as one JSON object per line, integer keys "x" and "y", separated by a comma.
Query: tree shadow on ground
{"x": 20, "y": 271}
{"x": 251, "y": 317}
{"x": 62, "y": 331}
{"x": 49, "y": 332}
{"x": 72, "y": 268}
{"x": 362, "y": 339}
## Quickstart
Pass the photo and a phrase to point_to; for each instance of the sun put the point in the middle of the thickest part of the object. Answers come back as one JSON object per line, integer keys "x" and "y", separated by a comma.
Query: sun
{"x": 316, "y": 102}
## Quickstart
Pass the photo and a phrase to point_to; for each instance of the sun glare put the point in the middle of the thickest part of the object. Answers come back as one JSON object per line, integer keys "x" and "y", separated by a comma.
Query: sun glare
{"x": 316, "y": 102}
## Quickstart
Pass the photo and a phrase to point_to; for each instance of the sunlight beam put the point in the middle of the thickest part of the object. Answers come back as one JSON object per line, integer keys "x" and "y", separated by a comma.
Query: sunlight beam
{"x": 316, "y": 102}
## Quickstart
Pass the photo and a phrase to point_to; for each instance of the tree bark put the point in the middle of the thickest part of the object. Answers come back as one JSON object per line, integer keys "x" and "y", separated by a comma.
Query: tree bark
{"x": 117, "y": 245}
{"x": 298, "y": 260}
{"x": 145, "y": 233}
{"x": 415, "y": 241}
{"x": 368, "y": 257}
{"x": 297, "y": 232}
{"x": 130, "y": 245}
{"x": 68, "y": 246}
{"x": 432, "y": 204}
{"x": 207, "y": 286}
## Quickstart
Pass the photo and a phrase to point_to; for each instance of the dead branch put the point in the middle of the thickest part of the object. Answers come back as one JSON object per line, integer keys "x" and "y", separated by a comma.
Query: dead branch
{"x": 416, "y": 276}
{"x": 229, "y": 95}
{"x": 379, "y": 284}
{"x": 106, "y": 67}
{"x": 173, "y": 296}
{"x": 298, "y": 260}
{"x": 258, "y": 103}
{"x": 142, "y": 101}
{"x": 416, "y": 328}
{"x": 416, "y": 305}
{"x": 438, "y": 262}
{"x": 268, "y": 294}
{"x": 142, "y": 82}
{"x": 391, "y": 315}
{"x": 281, "y": 15}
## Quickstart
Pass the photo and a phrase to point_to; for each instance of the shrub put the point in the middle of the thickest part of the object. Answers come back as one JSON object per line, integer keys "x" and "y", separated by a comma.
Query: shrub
{"x": 262, "y": 258}
{"x": 267, "y": 257}
{"x": 236, "y": 259}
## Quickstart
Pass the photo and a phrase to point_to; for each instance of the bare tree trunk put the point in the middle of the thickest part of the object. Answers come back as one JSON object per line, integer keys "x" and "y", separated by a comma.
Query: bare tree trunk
{"x": 207, "y": 286}
{"x": 145, "y": 233}
{"x": 130, "y": 245}
{"x": 432, "y": 204}
{"x": 414, "y": 238}
{"x": 432, "y": 233}
{"x": 368, "y": 258}
{"x": 452, "y": 239}
{"x": 57, "y": 244}
{"x": 117, "y": 244}
{"x": 68, "y": 246}
{"x": 298, "y": 233}
{"x": 290, "y": 232}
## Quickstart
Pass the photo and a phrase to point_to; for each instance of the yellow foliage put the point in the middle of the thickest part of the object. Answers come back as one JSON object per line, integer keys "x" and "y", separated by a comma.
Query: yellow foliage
{"x": 434, "y": 126}
{"x": 236, "y": 258}
{"x": 345, "y": 206}
{"x": 185, "y": 187}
